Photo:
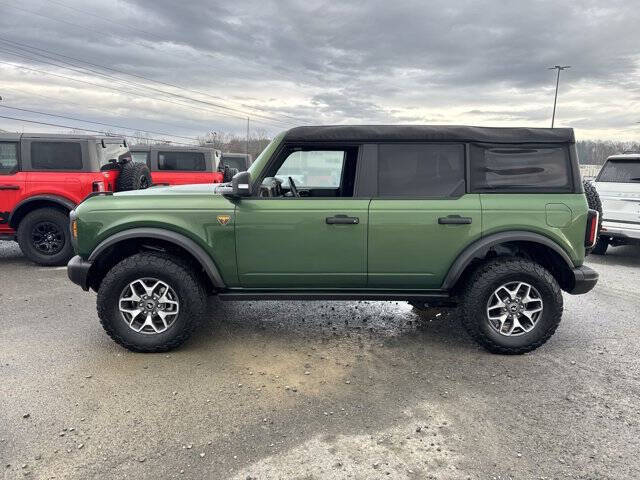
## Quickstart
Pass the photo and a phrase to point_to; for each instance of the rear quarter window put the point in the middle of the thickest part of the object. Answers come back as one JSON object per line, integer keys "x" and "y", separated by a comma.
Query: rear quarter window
{"x": 56, "y": 156}
{"x": 620, "y": 171}
{"x": 182, "y": 161}
{"x": 520, "y": 168}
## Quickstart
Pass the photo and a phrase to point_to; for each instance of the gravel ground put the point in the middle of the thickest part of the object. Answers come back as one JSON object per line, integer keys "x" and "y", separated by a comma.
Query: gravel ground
{"x": 317, "y": 390}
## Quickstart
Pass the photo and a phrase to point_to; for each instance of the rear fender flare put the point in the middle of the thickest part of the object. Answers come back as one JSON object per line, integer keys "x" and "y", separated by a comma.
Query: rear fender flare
{"x": 480, "y": 247}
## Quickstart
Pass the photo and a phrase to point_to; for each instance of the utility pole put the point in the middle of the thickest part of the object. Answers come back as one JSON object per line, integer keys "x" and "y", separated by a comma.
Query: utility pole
{"x": 247, "y": 145}
{"x": 555, "y": 100}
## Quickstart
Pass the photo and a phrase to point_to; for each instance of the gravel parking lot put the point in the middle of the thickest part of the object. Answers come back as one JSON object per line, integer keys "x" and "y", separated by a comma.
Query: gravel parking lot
{"x": 317, "y": 390}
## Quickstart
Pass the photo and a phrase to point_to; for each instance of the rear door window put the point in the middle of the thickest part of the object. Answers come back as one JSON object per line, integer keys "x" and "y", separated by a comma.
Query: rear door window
{"x": 620, "y": 171}
{"x": 420, "y": 170}
{"x": 56, "y": 156}
{"x": 181, "y": 161}
{"x": 518, "y": 168}
{"x": 8, "y": 158}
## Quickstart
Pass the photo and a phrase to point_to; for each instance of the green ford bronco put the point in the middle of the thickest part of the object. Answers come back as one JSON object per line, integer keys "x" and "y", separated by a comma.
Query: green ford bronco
{"x": 494, "y": 220}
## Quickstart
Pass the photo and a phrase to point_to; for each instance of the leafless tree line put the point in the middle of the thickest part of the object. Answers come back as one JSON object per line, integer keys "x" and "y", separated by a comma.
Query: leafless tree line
{"x": 595, "y": 152}
{"x": 231, "y": 142}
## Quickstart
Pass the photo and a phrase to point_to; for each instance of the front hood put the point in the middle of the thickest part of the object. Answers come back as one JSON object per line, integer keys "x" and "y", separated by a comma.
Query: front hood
{"x": 197, "y": 189}
{"x": 180, "y": 197}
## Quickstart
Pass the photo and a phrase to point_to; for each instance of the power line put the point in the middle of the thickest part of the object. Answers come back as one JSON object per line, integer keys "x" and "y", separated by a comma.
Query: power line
{"x": 135, "y": 84}
{"x": 31, "y": 12}
{"x": 104, "y": 19}
{"x": 96, "y": 123}
{"x": 86, "y": 107}
{"x": 134, "y": 75}
{"x": 128, "y": 92}
{"x": 94, "y": 131}
{"x": 138, "y": 30}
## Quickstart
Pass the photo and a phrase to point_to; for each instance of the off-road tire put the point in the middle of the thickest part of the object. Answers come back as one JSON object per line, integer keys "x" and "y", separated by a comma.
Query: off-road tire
{"x": 600, "y": 248}
{"x": 133, "y": 176}
{"x": 228, "y": 173}
{"x": 53, "y": 216}
{"x": 593, "y": 200}
{"x": 481, "y": 285}
{"x": 174, "y": 272}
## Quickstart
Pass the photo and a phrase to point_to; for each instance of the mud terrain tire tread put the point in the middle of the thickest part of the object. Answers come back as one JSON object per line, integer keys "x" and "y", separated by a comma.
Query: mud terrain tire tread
{"x": 131, "y": 176}
{"x": 193, "y": 300}
{"x": 594, "y": 202}
{"x": 483, "y": 282}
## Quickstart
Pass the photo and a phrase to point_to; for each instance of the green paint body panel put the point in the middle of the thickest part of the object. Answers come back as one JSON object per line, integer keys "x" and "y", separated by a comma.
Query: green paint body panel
{"x": 189, "y": 210}
{"x": 286, "y": 243}
{"x": 407, "y": 246}
{"x": 506, "y": 211}
{"x": 558, "y": 215}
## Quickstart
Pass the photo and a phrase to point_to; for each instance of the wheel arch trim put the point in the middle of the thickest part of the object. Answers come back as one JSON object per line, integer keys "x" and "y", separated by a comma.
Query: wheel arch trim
{"x": 481, "y": 246}
{"x": 170, "y": 236}
{"x": 16, "y": 214}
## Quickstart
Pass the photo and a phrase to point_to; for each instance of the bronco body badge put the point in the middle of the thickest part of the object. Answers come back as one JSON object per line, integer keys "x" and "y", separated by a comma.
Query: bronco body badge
{"x": 224, "y": 219}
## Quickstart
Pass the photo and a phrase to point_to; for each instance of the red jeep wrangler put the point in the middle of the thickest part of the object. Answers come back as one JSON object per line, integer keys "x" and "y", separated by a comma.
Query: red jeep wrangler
{"x": 44, "y": 176}
{"x": 174, "y": 165}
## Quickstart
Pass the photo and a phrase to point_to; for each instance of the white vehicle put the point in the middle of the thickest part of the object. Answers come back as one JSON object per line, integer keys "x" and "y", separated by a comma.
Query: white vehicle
{"x": 618, "y": 185}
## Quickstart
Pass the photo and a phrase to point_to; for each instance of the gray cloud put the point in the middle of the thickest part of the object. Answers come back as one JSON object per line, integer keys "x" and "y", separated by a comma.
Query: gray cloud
{"x": 481, "y": 62}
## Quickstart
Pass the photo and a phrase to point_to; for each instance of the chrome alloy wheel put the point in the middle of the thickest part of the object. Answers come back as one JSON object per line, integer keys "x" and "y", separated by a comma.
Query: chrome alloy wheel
{"x": 149, "y": 306}
{"x": 514, "y": 309}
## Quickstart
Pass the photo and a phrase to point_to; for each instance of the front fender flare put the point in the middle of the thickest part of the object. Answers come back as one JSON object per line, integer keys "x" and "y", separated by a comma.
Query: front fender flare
{"x": 480, "y": 247}
{"x": 178, "y": 239}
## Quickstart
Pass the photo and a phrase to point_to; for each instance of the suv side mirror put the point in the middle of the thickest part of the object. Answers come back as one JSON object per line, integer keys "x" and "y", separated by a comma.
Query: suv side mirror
{"x": 241, "y": 184}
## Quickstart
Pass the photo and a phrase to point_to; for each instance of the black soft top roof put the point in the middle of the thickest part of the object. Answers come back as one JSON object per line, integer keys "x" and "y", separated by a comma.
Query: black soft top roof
{"x": 434, "y": 133}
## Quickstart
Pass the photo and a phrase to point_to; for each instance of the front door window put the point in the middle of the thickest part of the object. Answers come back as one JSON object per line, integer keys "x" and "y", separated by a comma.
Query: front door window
{"x": 313, "y": 169}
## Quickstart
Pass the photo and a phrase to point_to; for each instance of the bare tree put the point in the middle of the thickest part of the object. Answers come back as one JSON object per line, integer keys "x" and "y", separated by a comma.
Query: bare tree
{"x": 230, "y": 142}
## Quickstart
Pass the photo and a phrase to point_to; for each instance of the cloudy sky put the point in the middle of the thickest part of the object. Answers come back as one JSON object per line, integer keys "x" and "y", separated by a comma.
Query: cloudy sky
{"x": 186, "y": 68}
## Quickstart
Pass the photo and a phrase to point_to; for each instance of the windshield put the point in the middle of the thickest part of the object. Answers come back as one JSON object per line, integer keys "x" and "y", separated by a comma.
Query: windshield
{"x": 620, "y": 171}
{"x": 111, "y": 150}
